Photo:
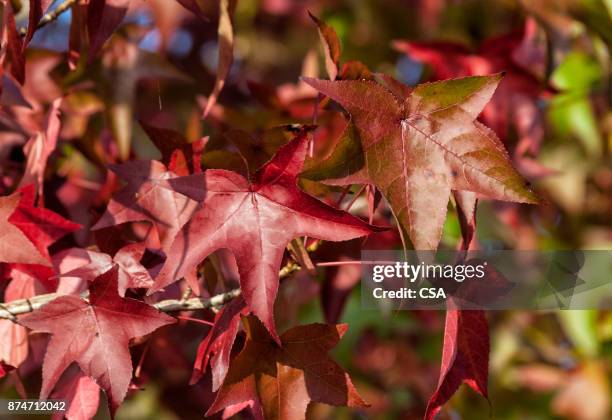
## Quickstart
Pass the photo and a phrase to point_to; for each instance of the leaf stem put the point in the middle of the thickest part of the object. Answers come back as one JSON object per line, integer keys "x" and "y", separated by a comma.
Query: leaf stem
{"x": 199, "y": 321}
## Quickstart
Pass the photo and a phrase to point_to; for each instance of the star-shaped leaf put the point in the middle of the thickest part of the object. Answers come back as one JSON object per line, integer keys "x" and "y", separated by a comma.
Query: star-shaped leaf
{"x": 513, "y": 109}
{"x": 15, "y": 247}
{"x": 26, "y": 231}
{"x": 256, "y": 220}
{"x": 181, "y": 156}
{"x": 95, "y": 335}
{"x": 218, "y": 343}
{"x": 81, "y": 393}
{"x": 131, "y": 274}
{"x": 284, "y": 379}
{"x": 419, "y": 147}
{"x": 465, "y": 357}
{"x": 148, "y": 196}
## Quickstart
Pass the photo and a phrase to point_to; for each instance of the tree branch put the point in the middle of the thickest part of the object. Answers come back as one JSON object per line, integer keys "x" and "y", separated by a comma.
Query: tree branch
{"x": 50, "y": 16}
{"x": 10, "y": 310}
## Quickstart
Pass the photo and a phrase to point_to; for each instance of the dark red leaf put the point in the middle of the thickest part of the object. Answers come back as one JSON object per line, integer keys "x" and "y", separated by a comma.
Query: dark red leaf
{"x": 4, "y": 369}
{"x": 465, "y": 357}
{"x": 181, "y": 156}
{"x": 81, "y": 393}
{"x": 284, "y": 379}
{"x": 194, "y": 7}
{"x": 95, "y": 335}
{"x": 26, "y": 231}
{"x": 103, "y": 18}
{"x": 131, "y": 273}
{"x": 217, "y": 345}
{"x": 148, "y": 196}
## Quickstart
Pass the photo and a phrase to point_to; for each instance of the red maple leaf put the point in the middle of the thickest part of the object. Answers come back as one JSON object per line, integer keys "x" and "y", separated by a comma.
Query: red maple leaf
{"x": 95, "y": 334}
{"x": 256, "y": 220}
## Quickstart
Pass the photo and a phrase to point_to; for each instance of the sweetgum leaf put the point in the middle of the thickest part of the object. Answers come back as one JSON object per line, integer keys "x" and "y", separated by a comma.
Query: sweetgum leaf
{"x": 465, "y": 357}
{"x": 26, "y": 231}
{"x": 16, "y": 45}
{"x": 131, "y": 273}
{"x": 39, "y": 148}
{"x": 181, "y": 156}
{"x": 225, "y": 33}
{"x": 148, "y": 196}
{"x": 15, "y": 247}
{"x": 103, "y": 18}
{"x": 513, "y": 109}
{"x": 284, "y": 379}
{"x": 256, "y": 220}
{"x": 466, "y": 212}
{"x": 218, "y": 343}
{"x": 418, "y": 148}
{"x": 14, "y": 343}
{"x": 95, "y": 335}
{"x": 331, "y": 44}
{"x": 82, "y": 395}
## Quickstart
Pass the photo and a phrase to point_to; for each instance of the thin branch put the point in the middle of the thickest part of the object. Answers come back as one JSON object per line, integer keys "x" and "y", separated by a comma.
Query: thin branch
{"x": 51, "y": 16}
{"x": 10, "y": 310}
{"x": 175, "y": 305}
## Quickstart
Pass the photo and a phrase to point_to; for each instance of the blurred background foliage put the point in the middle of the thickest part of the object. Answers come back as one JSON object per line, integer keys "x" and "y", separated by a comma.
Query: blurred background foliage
{"x": 160, "y": 66}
